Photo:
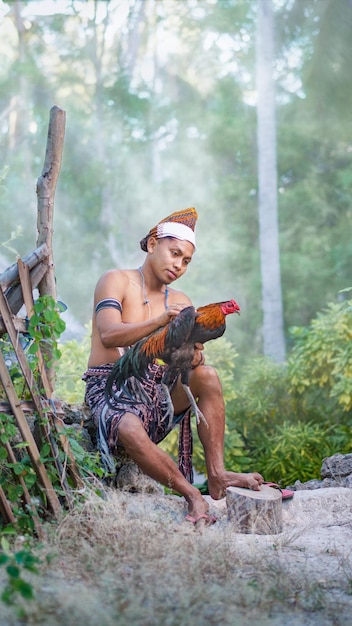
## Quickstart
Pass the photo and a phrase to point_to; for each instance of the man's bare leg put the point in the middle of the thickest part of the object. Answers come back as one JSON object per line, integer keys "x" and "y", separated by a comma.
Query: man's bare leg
{"x": 205, "y": 385}
{"x": 157, "y": 464}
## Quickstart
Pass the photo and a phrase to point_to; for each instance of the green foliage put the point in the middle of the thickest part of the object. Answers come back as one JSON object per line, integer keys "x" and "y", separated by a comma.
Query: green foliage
{"x": 88, "y": 463}
{"x": 7, "y": 431}
{"x": 10, "y": 471}
{"x": 294, "y": 451}
{"x": 73, "y": 362}
{"x": 322, "y": 356}
{"x": 262, "y": 406}
{"x": 291, "y": 416}
{"x": 222, "y": 355}
{"x": 16, "y": 564}
{"x": 262, "y": 401}
{"x": 13, "y": 367}
{"x": 45, "y": 327}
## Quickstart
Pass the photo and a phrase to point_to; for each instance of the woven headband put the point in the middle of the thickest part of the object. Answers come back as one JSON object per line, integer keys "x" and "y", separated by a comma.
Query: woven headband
{"x": 174, "y": 229}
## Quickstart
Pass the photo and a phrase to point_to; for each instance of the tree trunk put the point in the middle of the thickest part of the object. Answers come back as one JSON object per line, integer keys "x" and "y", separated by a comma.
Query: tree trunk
{"x": 273, "y": 332}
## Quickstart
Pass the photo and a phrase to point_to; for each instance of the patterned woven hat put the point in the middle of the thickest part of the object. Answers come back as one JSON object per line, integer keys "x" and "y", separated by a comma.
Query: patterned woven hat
{"x": 180, "y": 225}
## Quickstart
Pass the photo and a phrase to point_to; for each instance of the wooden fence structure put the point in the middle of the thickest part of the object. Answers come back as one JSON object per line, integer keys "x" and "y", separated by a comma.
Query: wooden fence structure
{"x": 36, "y": 271}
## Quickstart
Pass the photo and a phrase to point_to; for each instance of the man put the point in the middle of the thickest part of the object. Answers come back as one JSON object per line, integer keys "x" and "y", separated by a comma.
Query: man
{"x": 129, "y": 305}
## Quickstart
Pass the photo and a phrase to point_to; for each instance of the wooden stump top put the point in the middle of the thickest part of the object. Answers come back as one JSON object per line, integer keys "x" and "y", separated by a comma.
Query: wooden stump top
{"x": 258, "y": 512}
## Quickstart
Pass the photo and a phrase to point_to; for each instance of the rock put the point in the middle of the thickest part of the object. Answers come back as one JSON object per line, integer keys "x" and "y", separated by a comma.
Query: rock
{"x": 336, "y": 471}
{"x": 131, "y": 478}
{"x": 347, "y": 481}
{"x": 83, "y": 437}
{"x": 337, "y": 466}
{"x": 310, "y": 484}
{"x": 78, "y": 416}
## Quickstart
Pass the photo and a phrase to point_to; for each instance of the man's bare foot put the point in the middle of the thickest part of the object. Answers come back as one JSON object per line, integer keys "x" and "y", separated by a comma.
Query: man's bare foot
{"x": 217, "y": 485}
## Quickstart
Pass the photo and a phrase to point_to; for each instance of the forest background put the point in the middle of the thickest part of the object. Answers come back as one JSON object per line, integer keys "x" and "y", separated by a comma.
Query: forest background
{"x": 161, "y": 105}
{"x": 160, "y": 99}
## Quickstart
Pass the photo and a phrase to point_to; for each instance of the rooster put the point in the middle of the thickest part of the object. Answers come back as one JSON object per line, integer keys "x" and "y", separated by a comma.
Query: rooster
{"x": 174, "y": 345}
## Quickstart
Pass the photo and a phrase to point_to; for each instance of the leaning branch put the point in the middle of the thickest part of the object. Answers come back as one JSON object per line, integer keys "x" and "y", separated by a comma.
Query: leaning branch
{"x": 10, "y": 276}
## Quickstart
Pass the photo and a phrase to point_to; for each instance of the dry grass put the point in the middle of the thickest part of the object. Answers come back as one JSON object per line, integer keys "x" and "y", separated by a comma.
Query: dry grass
{"x": 132, "y": 559}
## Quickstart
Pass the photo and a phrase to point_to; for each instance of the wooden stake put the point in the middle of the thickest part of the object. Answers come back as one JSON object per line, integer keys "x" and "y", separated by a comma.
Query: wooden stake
{"x": 23, "y": 272}
{"x": 26, "y": 495}
{"x": 28, "y": 437}
{"x": 54, "y": 418}
{"x": 5, "y": 509}
{"x": 15, "y": 404}
{"x": 29, "y": 378}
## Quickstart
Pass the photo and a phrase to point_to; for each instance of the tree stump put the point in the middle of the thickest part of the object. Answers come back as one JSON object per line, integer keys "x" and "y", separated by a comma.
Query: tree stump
{"x": 258, "y": 512}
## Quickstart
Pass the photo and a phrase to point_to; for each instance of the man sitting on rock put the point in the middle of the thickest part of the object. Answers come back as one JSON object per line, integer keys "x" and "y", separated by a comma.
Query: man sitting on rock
{"x": 129, "y": 305}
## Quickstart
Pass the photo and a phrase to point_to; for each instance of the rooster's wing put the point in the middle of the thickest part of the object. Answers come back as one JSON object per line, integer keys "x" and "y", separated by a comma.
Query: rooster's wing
{"x": 158, "y": 345}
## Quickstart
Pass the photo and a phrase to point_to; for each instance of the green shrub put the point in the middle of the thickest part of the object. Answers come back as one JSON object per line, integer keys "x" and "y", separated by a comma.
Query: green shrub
{"x": 222, "y": 355}
{"x": 292, "y": 415}
{"x": 262, "y": 401}
{"x": 321, "y": 360}
{"x": 294, "y": 451}
{"x": 17, "y": 591}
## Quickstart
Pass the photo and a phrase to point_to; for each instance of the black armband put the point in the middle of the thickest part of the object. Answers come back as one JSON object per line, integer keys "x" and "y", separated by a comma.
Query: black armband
{"x": 108, "y": 303}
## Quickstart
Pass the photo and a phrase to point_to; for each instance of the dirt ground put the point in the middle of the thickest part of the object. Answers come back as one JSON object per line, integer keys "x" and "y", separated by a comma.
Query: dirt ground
{"x": 133, "y": 559}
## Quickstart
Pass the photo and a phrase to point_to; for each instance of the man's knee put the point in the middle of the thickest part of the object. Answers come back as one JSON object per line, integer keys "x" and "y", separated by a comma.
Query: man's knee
{"x": 205, "y": 377}
{"x": 131, "y": 431}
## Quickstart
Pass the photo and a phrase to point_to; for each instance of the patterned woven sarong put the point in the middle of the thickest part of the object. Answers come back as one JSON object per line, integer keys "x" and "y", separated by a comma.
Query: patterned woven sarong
{"x": 151, "y": 407}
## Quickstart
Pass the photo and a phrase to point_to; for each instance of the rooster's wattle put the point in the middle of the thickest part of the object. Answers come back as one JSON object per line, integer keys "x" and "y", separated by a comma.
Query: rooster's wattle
{"x": 174, "y": 344}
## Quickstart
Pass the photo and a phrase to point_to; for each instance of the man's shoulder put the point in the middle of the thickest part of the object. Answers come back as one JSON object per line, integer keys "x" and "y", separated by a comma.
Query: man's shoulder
{"x": 177, "y": 296}
{"x": 113, "y": 275}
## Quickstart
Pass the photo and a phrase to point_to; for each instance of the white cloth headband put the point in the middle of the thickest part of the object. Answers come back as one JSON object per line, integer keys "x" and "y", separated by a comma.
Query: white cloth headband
{"x": 177, "y": 230}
